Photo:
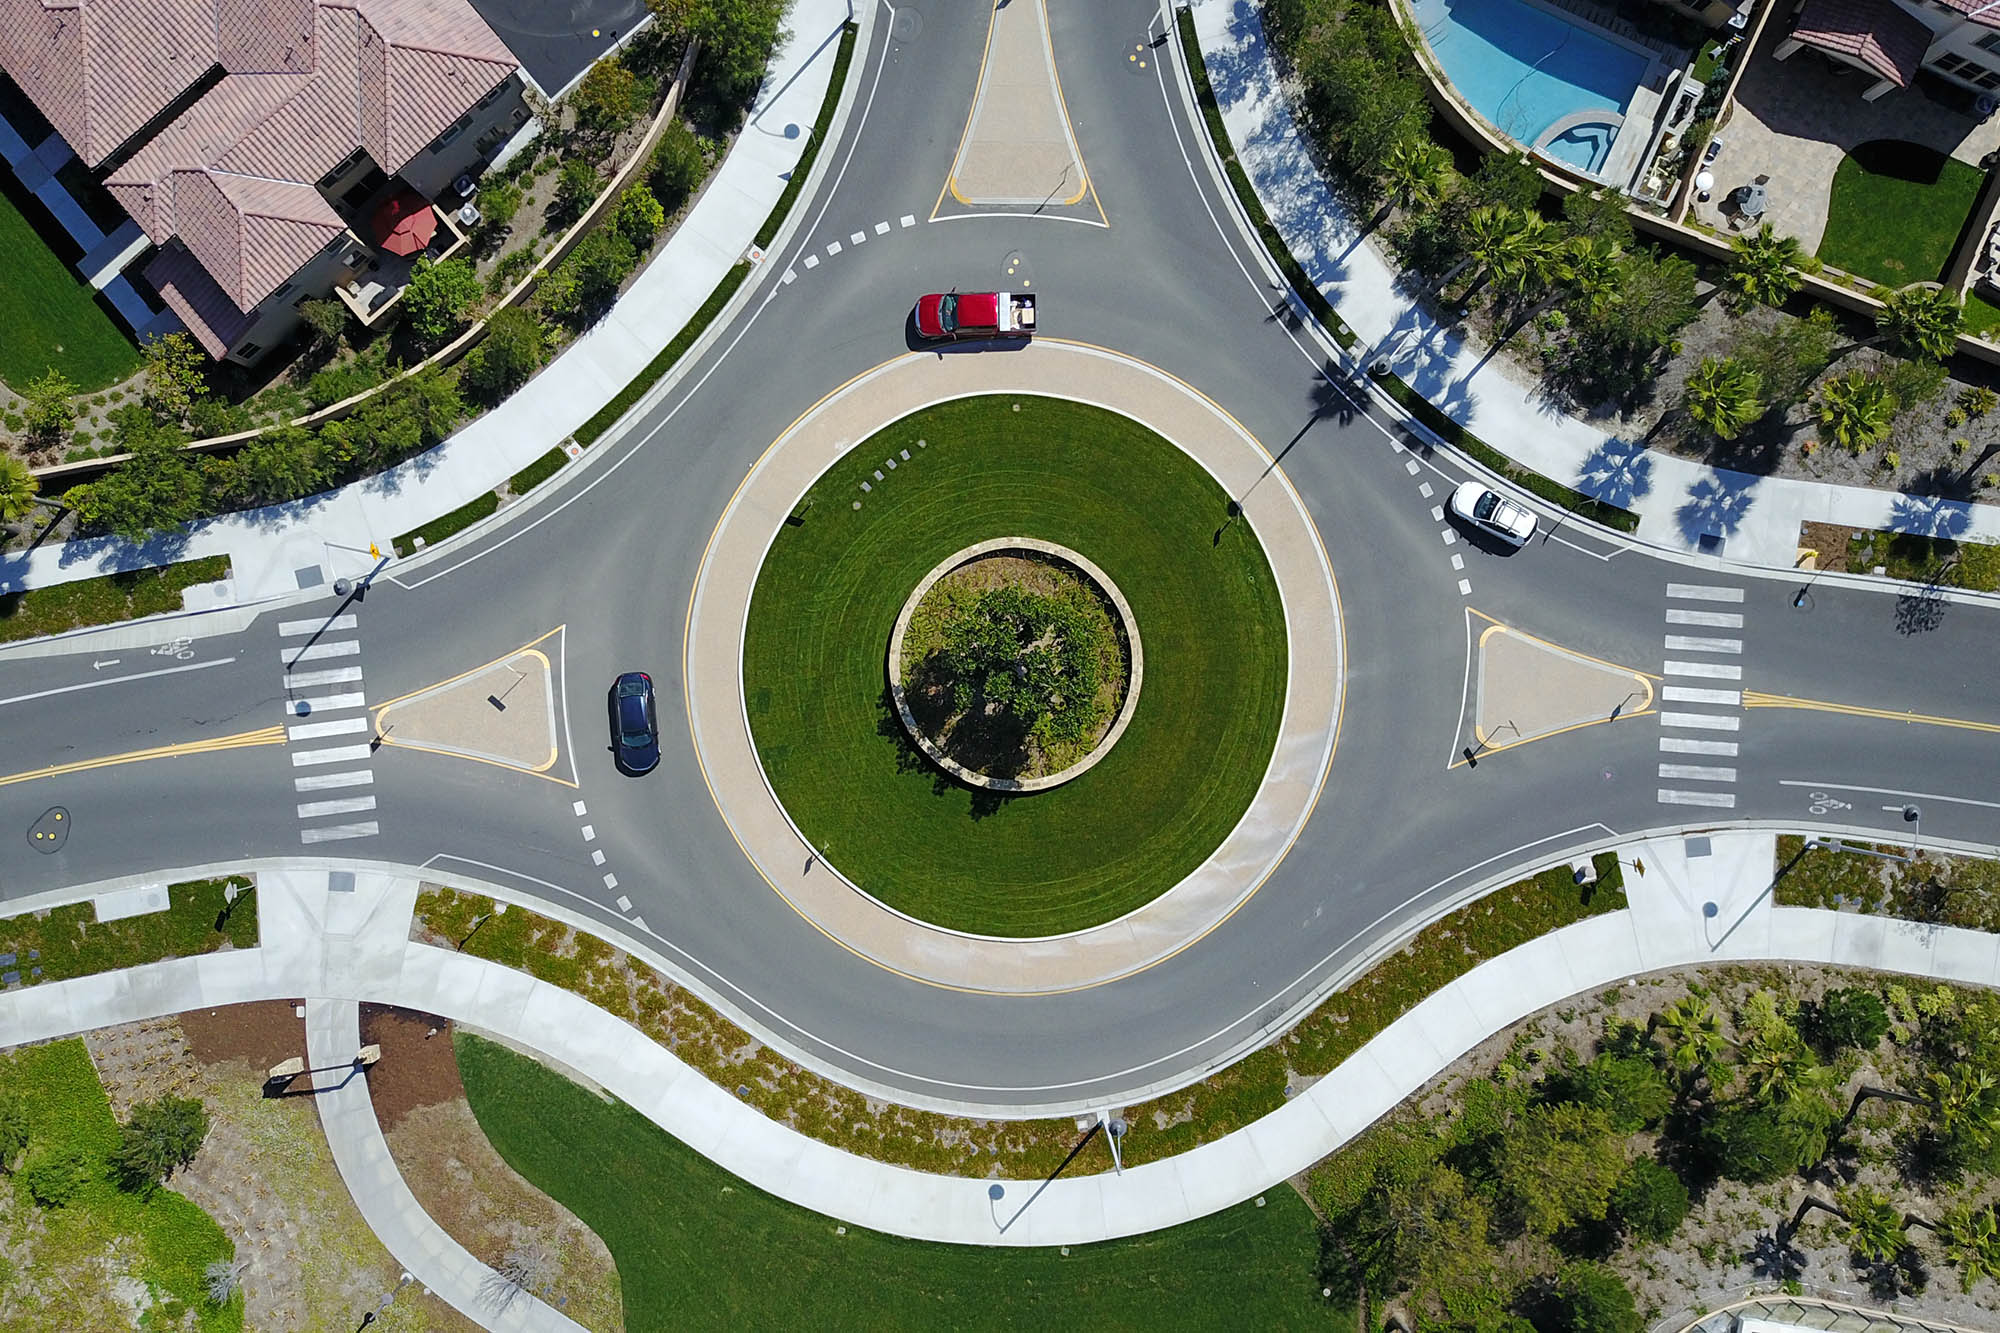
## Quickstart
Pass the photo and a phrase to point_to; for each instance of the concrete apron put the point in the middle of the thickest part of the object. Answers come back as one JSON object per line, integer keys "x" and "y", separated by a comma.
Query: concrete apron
{"x": 1315, "y": 644}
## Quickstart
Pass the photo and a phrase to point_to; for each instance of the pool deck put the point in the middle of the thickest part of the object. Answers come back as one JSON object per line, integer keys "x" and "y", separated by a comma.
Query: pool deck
{"x": 1793, "y": 121}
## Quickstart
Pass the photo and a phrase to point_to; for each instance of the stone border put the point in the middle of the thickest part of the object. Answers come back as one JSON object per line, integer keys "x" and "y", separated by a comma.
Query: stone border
{"x": 1316, "y": 660}
{"x": 1136, "y": 664}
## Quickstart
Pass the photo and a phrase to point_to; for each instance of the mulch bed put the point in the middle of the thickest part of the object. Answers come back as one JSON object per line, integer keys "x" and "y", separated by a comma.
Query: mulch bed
{"x": 417, "y": 1067}
{"x": 263, "y": 1034}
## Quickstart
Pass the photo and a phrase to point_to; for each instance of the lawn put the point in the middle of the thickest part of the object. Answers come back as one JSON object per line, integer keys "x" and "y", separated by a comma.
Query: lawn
{"x": 698, "y": 1248}
{"x": 104, "y": 601}
{"x": 71, "y": 942}
{"x": 1201, "y": 734}
{"x": 65, "y": 1262}
{"x": 1896, "y": 211}
{"x": 51, "y": 316}
{"x": 1938, "y": 560}
{"x": 1981, "y": 316}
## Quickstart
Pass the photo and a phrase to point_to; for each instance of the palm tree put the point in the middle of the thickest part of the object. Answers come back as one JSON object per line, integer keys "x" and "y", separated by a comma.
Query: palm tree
{"x": 1414, "y": 172}
{"x": 1970, "y": 1239}
{"x": 1921, "y": 320}
{"x": 1874, "y": 1226}
{"x": 1723, "y": 395}
{"x": 1487, "y": 233}
{"x": 1964, "y": 1104}
{"x": 1580, "y": 269}
{"x": 20, "y": 489}
{"x": 1526, "y": 257}
{"x": 1856, "y": 409}
{"x": 1694, "y": 1034}
{"x": 1766, "y": 266}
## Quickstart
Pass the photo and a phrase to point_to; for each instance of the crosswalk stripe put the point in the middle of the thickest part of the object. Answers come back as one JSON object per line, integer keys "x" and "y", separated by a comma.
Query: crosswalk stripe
{"x": 1689, "y": 694}
{"x": 1715, "y": 619}
{"x": 1682, "y": 745}
{"x": 299, "y": 680}
{"x": 344, "y": 805}
{"x": 334, "y": 754}
{"x": 1701, "y": 721}
{"x": 315, "y": 652}
{"x": 1710, "y": 670}
{"x": 292, "y": 628}
{"x": 1703, "y": 592}
{"x": 360, "y": 777}
{"x": 311, "y": 731}
{"x": 326, "y": 703}
{"x": 1694, "y": 643}
{"x": 1698, "y": 772}
{"x": 336, "y": 832}
{"x": 1720, "y": 800}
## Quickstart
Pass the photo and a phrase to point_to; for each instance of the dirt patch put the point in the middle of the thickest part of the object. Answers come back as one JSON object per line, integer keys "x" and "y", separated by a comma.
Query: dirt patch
{"x": 1830, "y": 541}
{"x": 416, "y": 1068}
{"x": 263, "y": 1034}
{"x": 493, "y": 1212}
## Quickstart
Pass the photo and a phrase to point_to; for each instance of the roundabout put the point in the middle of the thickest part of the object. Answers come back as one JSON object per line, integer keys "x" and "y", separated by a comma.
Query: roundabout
{"x": 1168, "y": 827}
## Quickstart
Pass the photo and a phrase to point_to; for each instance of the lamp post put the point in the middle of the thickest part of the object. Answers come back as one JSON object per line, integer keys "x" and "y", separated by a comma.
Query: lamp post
{"x": 1472, "y": 752}
{"x": 1114, "y": 1130}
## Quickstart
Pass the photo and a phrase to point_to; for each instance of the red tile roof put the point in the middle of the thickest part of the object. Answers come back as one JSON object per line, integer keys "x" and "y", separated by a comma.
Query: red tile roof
{"x": 1879, "y": 35}
{"x": 235, "y": 175}
{"x": 205, "y": 308}
{"x": 1984, "y": 12}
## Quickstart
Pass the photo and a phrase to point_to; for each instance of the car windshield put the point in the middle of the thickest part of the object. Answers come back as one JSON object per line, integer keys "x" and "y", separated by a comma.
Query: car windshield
{"x": 635, "y": 740}
{"x": 948, "y": 313}
{"x": 1484, "y": 507}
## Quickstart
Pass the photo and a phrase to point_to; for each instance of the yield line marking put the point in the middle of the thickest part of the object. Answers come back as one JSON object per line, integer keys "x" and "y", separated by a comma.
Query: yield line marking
{"x": 345, "y": 805}
{"x": 328, "y": 781}
{"x": 1693, "y": 643}
{"x": 314, "y": 652}
{"x": 1702, "y": 721}
{"x": 240, "y": 741}
{"x": 1712, "y": 670}
{"x": 326, "y": 703}
{"x": 1697, "y": 773}
{"x": 1689, "y": 694}
{"x": 1704, "y": 592}
{"x": 330, "y": 676}
{"x": 337, "y": 754}
{"x": 1720, "y": 800}
{"x": 1754, "y": 699}
{"x": 291, "y": 628}
{"x": 1681, "y": 745}
{"x": 335, "y": 832}
{"x": 345, "y": 726}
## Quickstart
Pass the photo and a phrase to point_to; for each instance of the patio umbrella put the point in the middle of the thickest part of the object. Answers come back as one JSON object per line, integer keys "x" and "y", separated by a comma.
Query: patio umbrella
{"x": 404, "y": 223}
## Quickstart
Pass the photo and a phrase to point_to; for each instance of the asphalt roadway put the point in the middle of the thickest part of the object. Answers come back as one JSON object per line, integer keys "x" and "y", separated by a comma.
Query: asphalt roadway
{"x": 610, "y": 554}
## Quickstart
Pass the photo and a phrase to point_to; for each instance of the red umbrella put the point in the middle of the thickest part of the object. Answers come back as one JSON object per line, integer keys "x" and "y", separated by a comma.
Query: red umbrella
{"x": 404, "y": 223}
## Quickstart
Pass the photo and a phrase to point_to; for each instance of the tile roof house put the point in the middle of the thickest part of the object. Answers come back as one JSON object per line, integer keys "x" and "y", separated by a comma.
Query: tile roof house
{"x": 243, "y": 135}
{"x": 1893, "y": 39}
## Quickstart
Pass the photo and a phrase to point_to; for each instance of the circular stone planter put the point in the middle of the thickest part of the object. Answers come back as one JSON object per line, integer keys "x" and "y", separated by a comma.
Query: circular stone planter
{"x": 1136, "y": 658}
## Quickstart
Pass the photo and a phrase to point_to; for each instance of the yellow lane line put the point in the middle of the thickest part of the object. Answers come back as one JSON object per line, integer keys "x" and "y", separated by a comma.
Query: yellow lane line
{"x": 240, "y": 741}
{"x": 1755, "y": 699}
{"x": 1494, "y": 625}
{"x": 951, "y": 172}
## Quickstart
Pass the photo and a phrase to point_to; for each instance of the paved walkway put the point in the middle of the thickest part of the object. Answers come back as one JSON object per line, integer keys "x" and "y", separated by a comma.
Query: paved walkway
{"x": 1314, "y": 645}
{"x": 1680, "y": 502}
{"x": 1699, "y": 901}
{"x": 330, "y": 533}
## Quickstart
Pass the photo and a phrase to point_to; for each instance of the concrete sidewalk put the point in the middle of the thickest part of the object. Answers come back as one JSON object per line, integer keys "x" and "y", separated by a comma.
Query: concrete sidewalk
{"x": 330, "y": 533}
{"x": 1680, "y": 503}
{"x": 1699, "y": 901}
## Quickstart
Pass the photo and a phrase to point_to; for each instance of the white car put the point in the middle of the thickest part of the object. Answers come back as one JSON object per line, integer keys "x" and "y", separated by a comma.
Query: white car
{"x": 1487, "y": 509}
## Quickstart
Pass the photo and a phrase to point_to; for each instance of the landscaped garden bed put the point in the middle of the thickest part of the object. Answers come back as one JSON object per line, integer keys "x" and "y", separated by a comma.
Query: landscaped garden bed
{"x": 60, "y": 943}
{"x": 104, "y": 600}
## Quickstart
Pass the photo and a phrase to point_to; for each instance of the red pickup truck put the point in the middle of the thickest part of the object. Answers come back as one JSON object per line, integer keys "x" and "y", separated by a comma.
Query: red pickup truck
{"x": 976, "y": 315}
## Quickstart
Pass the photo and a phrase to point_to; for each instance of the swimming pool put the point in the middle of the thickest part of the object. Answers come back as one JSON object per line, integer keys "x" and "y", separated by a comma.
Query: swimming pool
{"x": 1524, "y": 67}
{"x": 1585, "y": 146}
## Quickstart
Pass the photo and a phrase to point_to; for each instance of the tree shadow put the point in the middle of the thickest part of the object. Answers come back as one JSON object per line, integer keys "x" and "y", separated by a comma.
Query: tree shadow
{"x": 1920, "y": 610}
{"x": 1617, "y": 472}
{"x": 1715, "y": 507}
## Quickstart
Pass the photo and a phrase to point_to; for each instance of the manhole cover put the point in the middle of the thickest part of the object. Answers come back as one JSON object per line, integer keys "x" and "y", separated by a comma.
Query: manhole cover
{"x": 48, "y": 833}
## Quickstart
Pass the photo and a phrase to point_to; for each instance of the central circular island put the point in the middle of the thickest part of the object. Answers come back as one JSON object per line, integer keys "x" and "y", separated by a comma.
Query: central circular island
{"x": 1011, "y": 666}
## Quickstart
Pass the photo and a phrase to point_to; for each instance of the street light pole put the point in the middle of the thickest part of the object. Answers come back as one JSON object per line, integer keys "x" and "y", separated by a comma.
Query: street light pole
{"x": 1472, "y": 753}
{"x": 1114, "y": 1130}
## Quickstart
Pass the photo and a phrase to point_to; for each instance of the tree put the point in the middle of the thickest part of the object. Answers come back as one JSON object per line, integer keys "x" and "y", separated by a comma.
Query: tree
{"x": 1764, "y": 267}
{"x": 607, "y": 99}
{"x": 1694, "y": 1035}
{"x": 588, "y": 280}
{"x": 49, "y": 412}
{"x": 1964, "y": 1105}
{"x": 1722, "y": 396}
{"x": 1599, "y": 215}
{"x": 1618, "y": 349}
{"x": 1414, "y": 172}
{"x": 1589, "y": 1298}
{"x": 1506, "y": 180}
{"x": 1748, "y": 1142}
{"x": 576, "y": 187}
{"x": 13, "y": 1129}
{"x": 1421, "y": 1226}
{"x": 223, "y": 1278}
{"x": 1488, "y": 233}
{"x": 438, "y": 296}
{"x": 281, "y": 464}
{"x": 1649, "y": 1201}
{"x": 162, "y": 1134}
{"x": 678, "y": 164}
{"x": 639, "y": 217}
{"x": 1919, "y": 321}
{"x": 498, "y": 202}
{"x": 1856, "y": 409}
{"x": 20, "y": 489}
{"x": 1628, "y": 1088}
{"x": 157, "y": 488}
{"x": 1848, "y": 1017}
{"x": 1557, "y": 1165}
{"x": 514, "y": 347}
{"x": 176, "y": 377}
{"x": 325, "y": 320}
{"x": 527, "y": 1266}
{"x": 55, "y": 1173}
{"x": 1789, "y": 355}
{"x": 1532, "y": 260}
{"x": 1970, "y": 1239}
{"x": 1872, "y": 1226}
{"x": 736, "y": 38}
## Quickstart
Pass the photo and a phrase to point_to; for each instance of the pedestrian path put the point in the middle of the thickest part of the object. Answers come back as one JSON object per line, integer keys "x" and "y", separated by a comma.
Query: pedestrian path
{"x": 323, "y": 683}
{"x": 1682, "y": 504}
{"x": 330, "y": 938}
{"x": 308, "y": 543}
{"x": 1702, "y": 695}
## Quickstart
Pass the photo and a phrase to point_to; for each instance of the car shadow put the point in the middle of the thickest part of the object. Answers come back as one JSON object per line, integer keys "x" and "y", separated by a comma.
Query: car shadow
{"x": 1479, "y": 539}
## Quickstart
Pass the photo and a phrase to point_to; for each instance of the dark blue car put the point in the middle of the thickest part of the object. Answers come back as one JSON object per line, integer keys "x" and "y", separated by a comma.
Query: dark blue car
{"x": 635, "y": 726}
